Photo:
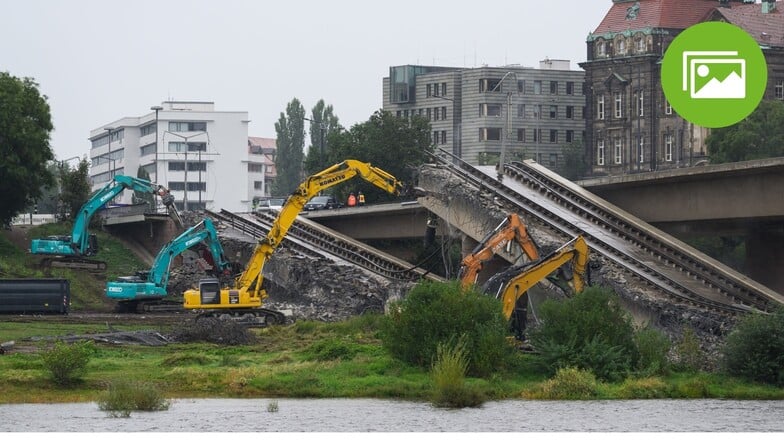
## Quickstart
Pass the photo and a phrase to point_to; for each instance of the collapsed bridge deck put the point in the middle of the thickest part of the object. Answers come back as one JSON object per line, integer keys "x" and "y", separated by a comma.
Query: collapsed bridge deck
{"x": 682, "y": 274}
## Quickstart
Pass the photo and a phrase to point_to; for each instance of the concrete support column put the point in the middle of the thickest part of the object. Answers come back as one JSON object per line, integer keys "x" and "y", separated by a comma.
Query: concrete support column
{"x": 765, "y": 256}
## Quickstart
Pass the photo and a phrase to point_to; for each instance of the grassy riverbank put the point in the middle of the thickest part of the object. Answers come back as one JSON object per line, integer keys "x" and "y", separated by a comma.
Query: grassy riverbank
{"x": 307, "y": 359}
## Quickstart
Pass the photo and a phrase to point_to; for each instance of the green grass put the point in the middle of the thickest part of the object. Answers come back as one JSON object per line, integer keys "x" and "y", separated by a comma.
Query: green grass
{"x": 32, "y": 329}
{"x": 282, "y": 364}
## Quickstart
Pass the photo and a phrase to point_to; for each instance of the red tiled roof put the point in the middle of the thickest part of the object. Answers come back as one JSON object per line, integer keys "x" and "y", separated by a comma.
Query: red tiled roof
{"x": 262, "y": 142}
{"x": 670, "y": 14}
{"x": 767, "y": 29}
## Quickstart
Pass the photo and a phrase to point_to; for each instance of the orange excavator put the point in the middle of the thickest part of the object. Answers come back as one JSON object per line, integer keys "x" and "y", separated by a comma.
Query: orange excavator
{"x": 510, "y": 230}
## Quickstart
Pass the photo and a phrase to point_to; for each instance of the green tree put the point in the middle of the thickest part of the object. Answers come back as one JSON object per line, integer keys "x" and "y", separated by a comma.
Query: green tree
{"x": 755, "y": 348}
{"x": 574, "y": 166}
{"x": 760, "y": 135}
{"x": 141, "y": 196}
{"x": 323, "y": 123}
{"x": 25, "y": 127}
{"x": 75, "y": 187}
{"x": 290, "y": 129}
{"x": 396, "y": 145}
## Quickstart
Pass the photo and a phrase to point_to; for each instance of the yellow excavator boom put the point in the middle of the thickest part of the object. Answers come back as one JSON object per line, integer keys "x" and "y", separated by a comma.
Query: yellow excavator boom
{"x": 247, "y": 292}
{"x": 574, "y": 251}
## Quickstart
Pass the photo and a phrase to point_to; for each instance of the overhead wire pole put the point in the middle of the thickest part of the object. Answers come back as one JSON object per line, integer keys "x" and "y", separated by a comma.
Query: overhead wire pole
{"x": 155, "y": 196}
{"x": 187, "y": 147}
{"x": 457, "y": 135}
{"x": 507, "y": 122}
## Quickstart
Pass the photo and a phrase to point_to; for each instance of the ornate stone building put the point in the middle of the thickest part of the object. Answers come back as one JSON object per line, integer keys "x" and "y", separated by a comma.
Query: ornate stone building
{"x": 630, "y": 126}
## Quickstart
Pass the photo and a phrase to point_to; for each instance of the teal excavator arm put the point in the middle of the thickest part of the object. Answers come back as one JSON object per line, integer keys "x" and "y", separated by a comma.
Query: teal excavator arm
{"x": 149, "y": 287}
{"x": 80, "y": 243}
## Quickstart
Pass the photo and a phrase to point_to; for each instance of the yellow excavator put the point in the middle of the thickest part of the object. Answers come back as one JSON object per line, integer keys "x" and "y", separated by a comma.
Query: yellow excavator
{"x": 513, "y": 283}
{"x": 512, "y": 228}
{"x": 243, "y": 301}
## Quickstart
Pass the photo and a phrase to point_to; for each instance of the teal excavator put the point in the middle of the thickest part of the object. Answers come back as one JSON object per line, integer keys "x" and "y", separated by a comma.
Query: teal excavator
{"x": 146, "y": 290}
{"x": 72, "y": 251}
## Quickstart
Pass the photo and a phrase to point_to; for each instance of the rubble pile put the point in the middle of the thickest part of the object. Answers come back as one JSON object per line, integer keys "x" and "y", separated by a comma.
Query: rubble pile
{"x": 319, "y": 289}
{"x": 213, "y": 330}
{"x": 304, "y": 288}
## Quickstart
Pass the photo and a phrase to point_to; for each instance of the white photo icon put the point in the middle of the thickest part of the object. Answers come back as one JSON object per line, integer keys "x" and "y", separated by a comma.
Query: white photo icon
{"x": 714, "y": 74}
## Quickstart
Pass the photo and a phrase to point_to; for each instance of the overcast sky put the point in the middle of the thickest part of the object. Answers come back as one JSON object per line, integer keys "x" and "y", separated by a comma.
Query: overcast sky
{"x": 101, "y": 60}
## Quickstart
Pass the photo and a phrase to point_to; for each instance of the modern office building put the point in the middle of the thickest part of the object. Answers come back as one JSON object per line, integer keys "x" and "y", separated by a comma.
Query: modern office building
{"x": 478, "y": 113}
{"x": 203, "y": 156}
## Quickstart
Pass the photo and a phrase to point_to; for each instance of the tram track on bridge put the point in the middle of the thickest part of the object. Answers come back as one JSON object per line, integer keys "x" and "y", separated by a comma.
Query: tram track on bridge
{"x": 323, "y": 243}
{"x": 651, "y": 257}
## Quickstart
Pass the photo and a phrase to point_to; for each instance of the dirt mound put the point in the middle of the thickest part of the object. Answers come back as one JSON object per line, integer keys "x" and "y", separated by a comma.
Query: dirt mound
{"x": 212, "y": 330}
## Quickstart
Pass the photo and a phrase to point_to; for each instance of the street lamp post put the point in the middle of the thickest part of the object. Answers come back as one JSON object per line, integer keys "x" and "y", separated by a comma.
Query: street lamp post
{"x": 457, "y": 132}
{"x": 109, "y": 154}
{"x": 187, "y": 147}
{"x": 156, "y": 109}
{"x": 504, "y": 135}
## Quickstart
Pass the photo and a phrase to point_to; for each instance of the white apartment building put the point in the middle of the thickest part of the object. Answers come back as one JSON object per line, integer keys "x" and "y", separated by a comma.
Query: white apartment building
{"x": 203, "y": 156}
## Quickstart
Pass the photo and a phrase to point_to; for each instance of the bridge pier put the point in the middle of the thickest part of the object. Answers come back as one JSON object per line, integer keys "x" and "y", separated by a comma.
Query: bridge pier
{"x": 765, "y": 256}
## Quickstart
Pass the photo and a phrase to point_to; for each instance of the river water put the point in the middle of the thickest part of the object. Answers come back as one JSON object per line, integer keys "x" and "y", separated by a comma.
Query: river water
{"x": 373, "y": 415}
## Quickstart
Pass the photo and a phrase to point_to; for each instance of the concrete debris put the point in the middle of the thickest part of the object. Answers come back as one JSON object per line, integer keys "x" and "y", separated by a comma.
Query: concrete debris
{"x": 141, "y": 337}
{"x": 309, "y": 288}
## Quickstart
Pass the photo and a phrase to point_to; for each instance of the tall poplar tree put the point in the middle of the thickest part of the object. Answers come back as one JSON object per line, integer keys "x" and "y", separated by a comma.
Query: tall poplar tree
{"x": 323, "y": 123}
{"x": 290, "y": 130}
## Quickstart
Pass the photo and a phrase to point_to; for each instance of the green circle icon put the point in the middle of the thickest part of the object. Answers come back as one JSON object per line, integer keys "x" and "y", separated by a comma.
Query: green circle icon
{"x": 714, "y": 74}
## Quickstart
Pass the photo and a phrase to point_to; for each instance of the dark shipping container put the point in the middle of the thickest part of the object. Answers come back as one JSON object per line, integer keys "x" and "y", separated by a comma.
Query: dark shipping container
{"x": 35, "y": 296}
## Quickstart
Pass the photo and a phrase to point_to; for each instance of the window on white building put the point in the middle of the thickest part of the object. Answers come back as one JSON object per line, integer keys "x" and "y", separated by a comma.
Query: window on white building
{"x": 148, "y": 129}
{"x": 148, "y": 149}
{"x": 180, "y": 147}
{"x": 618, "y": 150}
{"x": 187, "y": 126}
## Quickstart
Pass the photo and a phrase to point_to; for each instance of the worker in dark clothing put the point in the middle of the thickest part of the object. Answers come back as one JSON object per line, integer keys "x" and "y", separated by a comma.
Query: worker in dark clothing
{"x": 352, "y": 200}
